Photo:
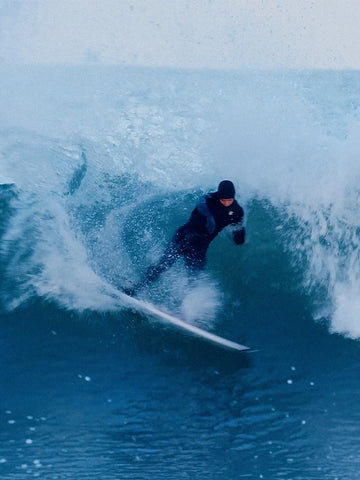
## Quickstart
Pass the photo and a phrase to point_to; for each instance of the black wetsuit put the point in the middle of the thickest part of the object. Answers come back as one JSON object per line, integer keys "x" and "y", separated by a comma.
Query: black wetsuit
{"x": 193, "y": 239}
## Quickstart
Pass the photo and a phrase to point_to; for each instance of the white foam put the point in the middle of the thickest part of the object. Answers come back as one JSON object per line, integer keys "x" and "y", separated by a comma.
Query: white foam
{"x": 346, "y": 316}
{"x": 201, "y": 305}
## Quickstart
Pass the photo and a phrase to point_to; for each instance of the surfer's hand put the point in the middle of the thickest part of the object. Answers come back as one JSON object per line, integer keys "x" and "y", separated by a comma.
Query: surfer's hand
{"x": 239, "y": 236}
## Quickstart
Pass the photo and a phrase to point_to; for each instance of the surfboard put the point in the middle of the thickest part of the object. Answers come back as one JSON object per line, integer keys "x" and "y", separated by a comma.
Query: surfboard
{"x": 169, "y": 319}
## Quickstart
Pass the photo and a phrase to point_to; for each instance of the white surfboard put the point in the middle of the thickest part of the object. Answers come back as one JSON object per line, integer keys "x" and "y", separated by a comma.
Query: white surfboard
{"x": 170, "y": 319}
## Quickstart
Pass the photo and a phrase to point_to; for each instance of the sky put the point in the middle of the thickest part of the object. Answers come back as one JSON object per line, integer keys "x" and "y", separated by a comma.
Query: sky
{"x": 218, "y": 34}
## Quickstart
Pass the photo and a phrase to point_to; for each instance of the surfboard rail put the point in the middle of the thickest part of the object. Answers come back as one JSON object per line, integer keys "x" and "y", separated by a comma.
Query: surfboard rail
{"x": 168, "y": 318}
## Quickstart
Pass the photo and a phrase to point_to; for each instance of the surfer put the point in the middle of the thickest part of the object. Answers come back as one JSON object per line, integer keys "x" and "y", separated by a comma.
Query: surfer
{"x": 213, "y": 212}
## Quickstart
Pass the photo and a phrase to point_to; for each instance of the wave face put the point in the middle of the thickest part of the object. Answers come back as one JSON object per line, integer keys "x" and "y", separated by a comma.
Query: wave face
{"x": 98, "y": 167}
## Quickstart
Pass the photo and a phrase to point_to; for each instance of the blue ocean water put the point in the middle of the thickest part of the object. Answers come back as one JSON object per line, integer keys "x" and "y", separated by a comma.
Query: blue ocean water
{"x": 98, "y": 167}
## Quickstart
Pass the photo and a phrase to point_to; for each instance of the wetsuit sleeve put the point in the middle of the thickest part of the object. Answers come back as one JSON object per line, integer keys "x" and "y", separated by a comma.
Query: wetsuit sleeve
{"x": 204, "y": 210}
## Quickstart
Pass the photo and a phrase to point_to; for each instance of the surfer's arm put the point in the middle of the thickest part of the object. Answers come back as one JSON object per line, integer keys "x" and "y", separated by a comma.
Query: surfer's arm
{"x": 205, "y": 217}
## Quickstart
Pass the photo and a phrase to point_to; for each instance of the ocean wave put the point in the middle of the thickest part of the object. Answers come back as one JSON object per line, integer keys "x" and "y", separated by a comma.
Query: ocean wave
{"x": 99, "y": 193}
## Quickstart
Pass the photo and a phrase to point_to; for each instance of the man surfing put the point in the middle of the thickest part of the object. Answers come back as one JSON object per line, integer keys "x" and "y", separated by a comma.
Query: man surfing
{"x": 213, "y": 212}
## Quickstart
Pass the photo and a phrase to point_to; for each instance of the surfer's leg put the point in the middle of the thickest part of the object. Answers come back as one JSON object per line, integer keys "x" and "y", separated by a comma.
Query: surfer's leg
{"x": 168, "y": 258}
{"x": 172, "y": 252}
{"x": 195, "y": 257}
{"x": 195, "y": 264}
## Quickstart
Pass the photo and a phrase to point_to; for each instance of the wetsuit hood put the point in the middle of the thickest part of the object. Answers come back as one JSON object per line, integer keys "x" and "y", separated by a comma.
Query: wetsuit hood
{"x": 226, "y": 189}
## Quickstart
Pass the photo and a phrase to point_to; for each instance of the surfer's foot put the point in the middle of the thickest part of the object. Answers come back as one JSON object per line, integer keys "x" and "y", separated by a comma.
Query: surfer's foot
{"x": 134, "y": 288}
{"x": 129, "y": 291}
